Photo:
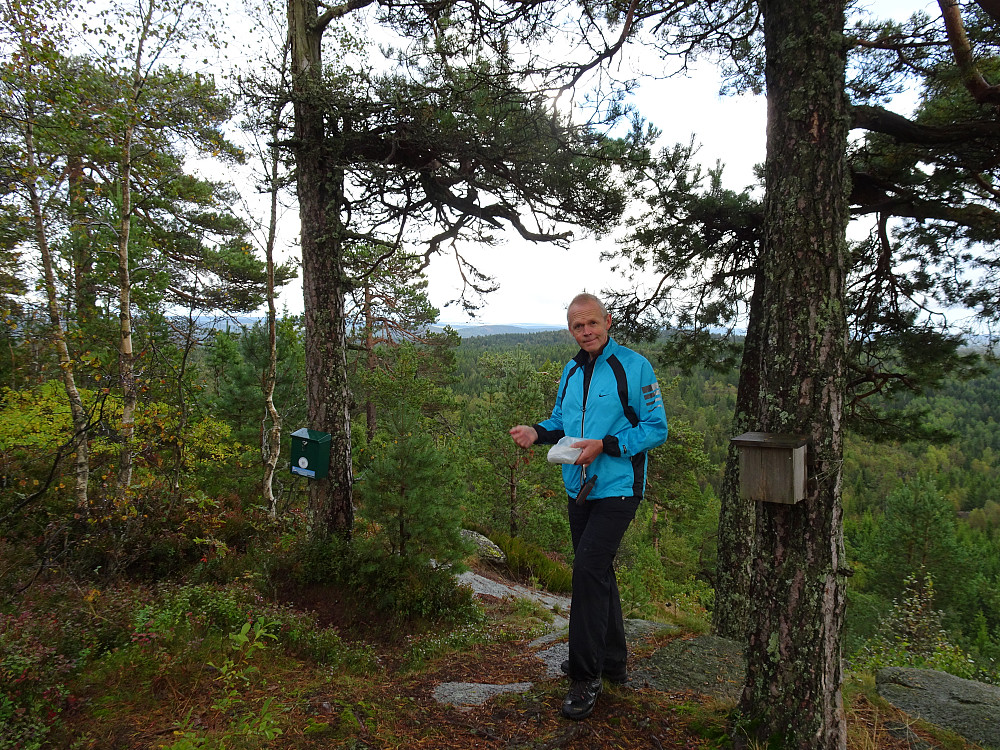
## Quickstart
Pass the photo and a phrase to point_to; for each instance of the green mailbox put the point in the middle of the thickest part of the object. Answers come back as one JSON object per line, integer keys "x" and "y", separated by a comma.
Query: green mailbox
{"x": 310, "y": 453}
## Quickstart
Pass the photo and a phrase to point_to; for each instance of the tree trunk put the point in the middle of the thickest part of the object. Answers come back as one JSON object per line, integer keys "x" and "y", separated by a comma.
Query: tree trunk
{"x": 512, "y": 498}
{"x": 793, "y": 688}
{"x": 126, "y": 354}
{"x": 736, "y": 515}
{"x": 77, "y": 410}
{"x": 126, "y": 364}
{"x": 84, "y": 287}
{"x": 271, "y": 448}
{"x": 179, "y": 446}
{"x": 371, "y": 418}
{"x": 320, "y": 192}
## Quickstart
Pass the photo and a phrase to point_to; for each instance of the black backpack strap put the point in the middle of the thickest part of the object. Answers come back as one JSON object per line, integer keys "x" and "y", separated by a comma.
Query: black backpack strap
{"x": 568, "y": 376}
{"x": 622, "y": 381}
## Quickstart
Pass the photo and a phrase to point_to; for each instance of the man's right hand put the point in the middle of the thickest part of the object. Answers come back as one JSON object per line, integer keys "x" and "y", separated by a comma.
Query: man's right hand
{"x": 524, "y": 435}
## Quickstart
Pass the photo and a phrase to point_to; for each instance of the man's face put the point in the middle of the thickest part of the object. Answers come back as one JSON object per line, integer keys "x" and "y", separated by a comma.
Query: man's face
{"x": 588, "y": 326}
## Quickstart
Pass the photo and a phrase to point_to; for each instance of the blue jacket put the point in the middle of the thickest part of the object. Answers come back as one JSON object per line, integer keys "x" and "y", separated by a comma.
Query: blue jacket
{"x": 616, "y": 399}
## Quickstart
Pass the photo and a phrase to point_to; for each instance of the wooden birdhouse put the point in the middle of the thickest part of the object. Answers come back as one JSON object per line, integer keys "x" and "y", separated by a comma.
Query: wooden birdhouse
{"x": 772, "y": 467}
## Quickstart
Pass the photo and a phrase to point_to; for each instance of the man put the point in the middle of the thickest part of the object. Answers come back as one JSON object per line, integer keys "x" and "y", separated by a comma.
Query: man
{"x": 608, "y": 396}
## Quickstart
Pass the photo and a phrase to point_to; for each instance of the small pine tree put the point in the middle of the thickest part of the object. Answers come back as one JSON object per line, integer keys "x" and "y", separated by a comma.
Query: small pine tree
{"x": 409, "y": 491}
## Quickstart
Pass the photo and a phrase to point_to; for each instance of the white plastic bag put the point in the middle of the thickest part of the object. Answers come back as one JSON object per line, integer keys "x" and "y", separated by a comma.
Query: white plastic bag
{"x": 563, "y": 452}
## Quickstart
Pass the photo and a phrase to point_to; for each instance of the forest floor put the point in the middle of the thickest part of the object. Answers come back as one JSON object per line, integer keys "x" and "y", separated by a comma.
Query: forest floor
{"x": 392, "y": 703}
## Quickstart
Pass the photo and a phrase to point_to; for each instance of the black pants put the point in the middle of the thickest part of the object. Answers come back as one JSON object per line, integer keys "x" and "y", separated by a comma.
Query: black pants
{"x": 596, "y": 629}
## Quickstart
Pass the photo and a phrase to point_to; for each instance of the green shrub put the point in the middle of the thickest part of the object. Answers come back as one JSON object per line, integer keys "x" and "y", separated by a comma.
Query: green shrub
{"x": 409, "y": 492}
{"x": 399, "y": 589}
{"x": 911, "y": 636}
{"x": 195, "y": 608}
{"x": 528, "y": 562}
{"x": 403, "y": 592}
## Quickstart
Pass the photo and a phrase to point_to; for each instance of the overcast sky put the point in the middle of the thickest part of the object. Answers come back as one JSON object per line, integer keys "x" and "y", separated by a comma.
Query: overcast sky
{"x": 536, "y": 281}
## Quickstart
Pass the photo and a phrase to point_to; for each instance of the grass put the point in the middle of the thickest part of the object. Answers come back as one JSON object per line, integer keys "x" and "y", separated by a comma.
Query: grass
{"x": 872, "y": 722}
{"x": 530, "y": 563}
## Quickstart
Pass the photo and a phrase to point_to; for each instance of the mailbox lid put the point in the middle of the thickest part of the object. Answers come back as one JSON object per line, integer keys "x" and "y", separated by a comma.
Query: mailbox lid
{"x": 770, "y": 440}
{"x": 313, "y": 436}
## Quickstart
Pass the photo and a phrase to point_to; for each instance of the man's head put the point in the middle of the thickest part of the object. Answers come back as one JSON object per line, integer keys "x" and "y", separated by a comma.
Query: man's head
{"x": 589, "y": 322}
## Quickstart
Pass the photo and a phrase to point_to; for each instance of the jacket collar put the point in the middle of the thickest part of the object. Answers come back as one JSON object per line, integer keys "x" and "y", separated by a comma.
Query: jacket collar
{"x": 582, "y": 357}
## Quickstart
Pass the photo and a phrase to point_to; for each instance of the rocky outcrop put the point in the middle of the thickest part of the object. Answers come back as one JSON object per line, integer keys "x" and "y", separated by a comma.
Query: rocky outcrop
{"x": 550, "y": 648}
{"x": 714, "y": 666}
{"x": 486, "y": 549}
{"x": 707, "y": 665}
{"x": 967, "y": 708}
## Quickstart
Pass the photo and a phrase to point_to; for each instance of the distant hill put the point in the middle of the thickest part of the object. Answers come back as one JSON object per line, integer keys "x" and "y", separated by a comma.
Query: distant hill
{"x": 467, "y": 331}
{"x": 464, "y": 330}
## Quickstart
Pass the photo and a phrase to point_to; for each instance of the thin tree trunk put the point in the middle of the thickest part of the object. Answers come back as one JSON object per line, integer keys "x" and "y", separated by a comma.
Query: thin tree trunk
{"x": 77, "y": 410}
{"x": 794, "y": 677}
{"x": 512, "y": 499}
{"x": 271, "y": 448}
{"x": 126, "y": 360}
{"x": 182, "y": 411}
{"x": 84, "y": 288}
{"x": 126, "y": 356}
{"x": 371, "y": 416}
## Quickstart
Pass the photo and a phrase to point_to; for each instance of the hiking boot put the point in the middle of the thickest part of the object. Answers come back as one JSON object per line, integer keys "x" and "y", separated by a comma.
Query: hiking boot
{"x": 580, "y": 700}
{"x": 615, "y": 676}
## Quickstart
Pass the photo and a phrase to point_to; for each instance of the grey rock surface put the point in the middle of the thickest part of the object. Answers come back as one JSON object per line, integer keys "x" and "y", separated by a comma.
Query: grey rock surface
{"x": 967, "y": 708}
{"x": 474, "y": 693}
{"x": 715, "y": 666}
{"x": 553, "y": 658}
{"x": 706, "y": 664}
{"x": 485, "y": 547}
{"x": 555, "y": 655}
{"x": 551, "y": 648}
{"x": 488, "y": 587}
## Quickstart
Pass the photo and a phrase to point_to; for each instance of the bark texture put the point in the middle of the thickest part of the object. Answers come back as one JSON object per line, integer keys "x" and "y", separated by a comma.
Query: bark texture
{"x": 737, "y": 516}
{"x": 126, "y": 355}
{"x": 793, "y": 688}
{"x": 319, "y": 181}
{"x": 271, "y": 440}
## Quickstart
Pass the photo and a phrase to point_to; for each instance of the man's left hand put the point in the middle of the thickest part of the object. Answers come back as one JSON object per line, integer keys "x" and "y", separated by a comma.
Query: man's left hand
{"x": 589, "y": 450}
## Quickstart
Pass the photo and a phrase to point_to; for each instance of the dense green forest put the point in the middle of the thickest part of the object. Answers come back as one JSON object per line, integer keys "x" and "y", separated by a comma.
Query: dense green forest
{"x": 922, "y": 520}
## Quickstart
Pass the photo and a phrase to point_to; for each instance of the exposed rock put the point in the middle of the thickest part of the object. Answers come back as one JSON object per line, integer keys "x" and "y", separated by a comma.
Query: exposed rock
{"x": 554, "y": 656}
{"x": 551, "y": 648}
{"x": 474, "y": 693}
{"x": 485, "y": 548}
{"x": 635, "y": 629}
{"x": 488, "y": 587}
{"x": 967, "y": 708}
{"x": 715, "y": 666}
{"x": 912, "y": 739}
{"x": 706, "y": 664}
